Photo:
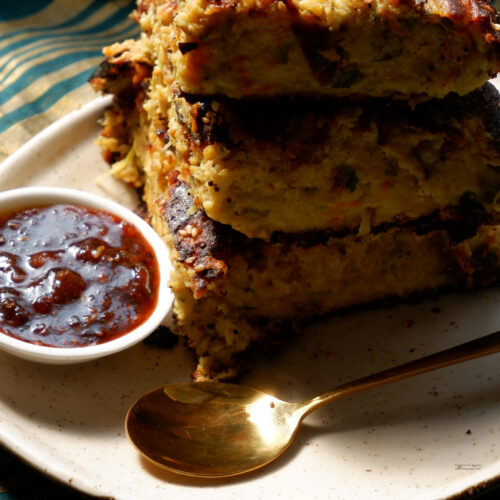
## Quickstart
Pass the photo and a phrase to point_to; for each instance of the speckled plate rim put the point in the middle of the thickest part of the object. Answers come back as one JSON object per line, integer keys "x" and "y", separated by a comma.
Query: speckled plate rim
{"x": 80, "y": 114}
{"x": 33, "y": 452}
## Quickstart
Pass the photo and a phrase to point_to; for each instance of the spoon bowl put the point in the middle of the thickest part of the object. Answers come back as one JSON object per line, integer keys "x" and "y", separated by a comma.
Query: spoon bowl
{"x": 214, "y": 429}
{"x": 211, "y": 429}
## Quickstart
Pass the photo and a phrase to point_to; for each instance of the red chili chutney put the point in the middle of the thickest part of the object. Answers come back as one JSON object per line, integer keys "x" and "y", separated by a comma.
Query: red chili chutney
{"x": 73, "y": 276}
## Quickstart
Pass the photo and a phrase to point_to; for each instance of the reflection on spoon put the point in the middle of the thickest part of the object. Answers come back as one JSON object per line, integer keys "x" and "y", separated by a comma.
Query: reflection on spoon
{"x": 213, "y": 429}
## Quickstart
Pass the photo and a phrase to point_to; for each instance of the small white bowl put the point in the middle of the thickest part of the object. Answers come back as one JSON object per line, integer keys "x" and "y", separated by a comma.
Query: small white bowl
{"x": 36, "y": 196}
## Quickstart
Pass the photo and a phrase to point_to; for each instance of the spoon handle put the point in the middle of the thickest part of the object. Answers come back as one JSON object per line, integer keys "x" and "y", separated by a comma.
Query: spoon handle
{"x": 482, "y": 346}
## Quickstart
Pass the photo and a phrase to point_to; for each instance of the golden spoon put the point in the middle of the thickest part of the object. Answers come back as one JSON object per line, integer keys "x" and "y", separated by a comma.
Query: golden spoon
{"x": 213, "y": 429}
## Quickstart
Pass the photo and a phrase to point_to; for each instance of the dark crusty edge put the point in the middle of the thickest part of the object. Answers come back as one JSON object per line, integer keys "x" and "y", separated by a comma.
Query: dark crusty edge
{"x": 270, "y": 117}
{"x": 206, "y": 253}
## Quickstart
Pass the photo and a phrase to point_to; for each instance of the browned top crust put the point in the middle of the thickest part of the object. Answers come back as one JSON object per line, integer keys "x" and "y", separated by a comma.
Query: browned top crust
{"x": 325, "y": 47}
{"x": 459, "y": 12}
{"x": 462, "y": 12}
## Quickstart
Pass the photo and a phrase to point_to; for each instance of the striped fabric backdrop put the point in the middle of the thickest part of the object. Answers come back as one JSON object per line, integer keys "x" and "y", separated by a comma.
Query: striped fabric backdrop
{"x": 48, "y": 49}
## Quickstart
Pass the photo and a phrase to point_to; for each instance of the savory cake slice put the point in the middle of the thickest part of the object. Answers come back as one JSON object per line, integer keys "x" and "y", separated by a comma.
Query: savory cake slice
{"x": 296, "y": 164}
{"x": 323, "y": 47}
{"x": 232, "y": 291}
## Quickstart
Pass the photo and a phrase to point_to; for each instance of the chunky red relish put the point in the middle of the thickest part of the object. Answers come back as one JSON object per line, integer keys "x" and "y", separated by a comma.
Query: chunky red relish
{"x": 73, "y": 276}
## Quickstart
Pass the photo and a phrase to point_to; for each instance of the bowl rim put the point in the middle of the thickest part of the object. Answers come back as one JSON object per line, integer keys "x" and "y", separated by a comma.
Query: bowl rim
{"x": 26, "y": 197}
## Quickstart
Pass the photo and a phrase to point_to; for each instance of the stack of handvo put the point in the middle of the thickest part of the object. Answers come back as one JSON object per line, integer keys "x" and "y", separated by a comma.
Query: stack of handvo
{"x": 307, "y": 156}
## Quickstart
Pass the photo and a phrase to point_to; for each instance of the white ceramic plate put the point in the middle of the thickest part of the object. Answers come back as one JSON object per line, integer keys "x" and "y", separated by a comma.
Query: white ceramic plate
{"x": 428, "y": 437}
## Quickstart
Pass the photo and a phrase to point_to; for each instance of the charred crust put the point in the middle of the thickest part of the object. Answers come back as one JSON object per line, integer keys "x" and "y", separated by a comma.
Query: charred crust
{"x": 209, "y": 238}
{"x": 286, "y": 118}
{"x": 488, "y": 100}
{"x": 125, "y": 73}
{"x": 105, "y": 70}
{"x": 177, "y": 208}
{"x": 475, "y": 12}
{"x": 439, "y": 115}
{"x": 205, "y": 126}
{"x": 484, "y": 262}
{"x": 202, "y": 244}
{"x": 460, "y": 222}
{"x": 186, "y": 47}
{"x": 114, "y": 77}
{"x": 210, "y": 127}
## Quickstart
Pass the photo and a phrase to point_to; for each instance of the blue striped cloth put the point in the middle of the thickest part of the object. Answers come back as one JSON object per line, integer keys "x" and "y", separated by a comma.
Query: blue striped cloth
{"x": 48, "y": 49}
